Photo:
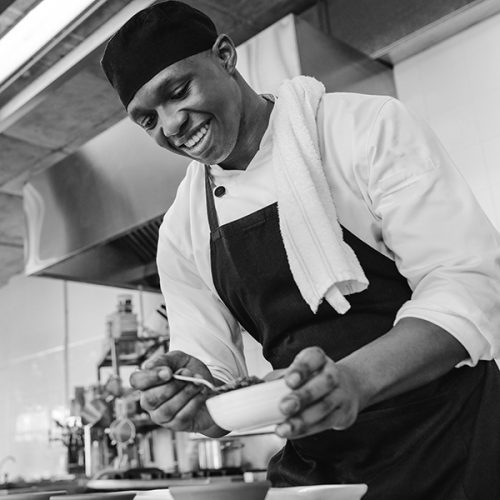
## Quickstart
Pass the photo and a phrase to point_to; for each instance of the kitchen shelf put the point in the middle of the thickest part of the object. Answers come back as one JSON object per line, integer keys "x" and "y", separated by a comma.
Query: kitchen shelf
{"x": 144, "y": 347}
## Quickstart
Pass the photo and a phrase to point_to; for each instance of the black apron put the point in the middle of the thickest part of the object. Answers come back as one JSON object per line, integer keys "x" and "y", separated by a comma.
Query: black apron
{"x": 440, "y": 441}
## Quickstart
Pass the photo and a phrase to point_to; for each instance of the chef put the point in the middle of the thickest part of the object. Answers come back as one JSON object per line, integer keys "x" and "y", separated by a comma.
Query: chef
{"x": 335, "y": 230}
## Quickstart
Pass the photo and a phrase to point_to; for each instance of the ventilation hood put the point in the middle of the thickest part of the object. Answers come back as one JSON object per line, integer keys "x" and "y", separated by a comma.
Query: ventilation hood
{"x": 94, "y": 216}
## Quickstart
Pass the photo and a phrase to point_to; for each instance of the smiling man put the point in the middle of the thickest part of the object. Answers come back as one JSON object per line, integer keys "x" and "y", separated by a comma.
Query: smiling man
{"x": 188, "y": 104}
{"x": 337, "y": 232}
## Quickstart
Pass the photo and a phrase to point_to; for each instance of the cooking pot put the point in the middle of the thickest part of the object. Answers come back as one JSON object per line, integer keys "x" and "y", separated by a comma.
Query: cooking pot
{"x": 214, "y": 454}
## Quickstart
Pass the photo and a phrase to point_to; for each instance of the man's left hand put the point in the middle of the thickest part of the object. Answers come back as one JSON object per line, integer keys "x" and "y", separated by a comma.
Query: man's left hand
{"x": 326, "y": 395}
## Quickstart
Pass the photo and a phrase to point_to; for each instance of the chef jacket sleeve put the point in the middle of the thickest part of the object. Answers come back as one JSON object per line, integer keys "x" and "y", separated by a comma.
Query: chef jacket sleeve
{"x": 200, "y": 324}
{"x": 442, "y": 241}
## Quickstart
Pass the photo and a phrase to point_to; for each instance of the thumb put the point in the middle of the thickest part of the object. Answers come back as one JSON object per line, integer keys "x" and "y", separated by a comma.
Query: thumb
{"x": 172, "y": 359}
{"x": 158, "y": 359}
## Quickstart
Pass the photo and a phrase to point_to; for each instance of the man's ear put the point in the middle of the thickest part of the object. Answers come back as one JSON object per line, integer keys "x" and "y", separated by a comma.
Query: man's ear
{"x": 224, "y": 50}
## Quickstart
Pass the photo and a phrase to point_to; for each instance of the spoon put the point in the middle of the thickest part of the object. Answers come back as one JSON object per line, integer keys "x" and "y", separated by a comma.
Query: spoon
{"x": 195, "y": 380}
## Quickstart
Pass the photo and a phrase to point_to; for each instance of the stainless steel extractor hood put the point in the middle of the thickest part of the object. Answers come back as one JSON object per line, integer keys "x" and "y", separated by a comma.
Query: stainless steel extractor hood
{"x": 94, "y": 217}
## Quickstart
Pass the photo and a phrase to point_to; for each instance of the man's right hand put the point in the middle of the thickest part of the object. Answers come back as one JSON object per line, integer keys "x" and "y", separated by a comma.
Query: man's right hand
{"x": 177, "y": 405}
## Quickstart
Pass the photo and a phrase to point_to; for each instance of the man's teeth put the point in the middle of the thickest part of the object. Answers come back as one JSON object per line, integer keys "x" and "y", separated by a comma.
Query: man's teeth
{"x": 196, "y": 138}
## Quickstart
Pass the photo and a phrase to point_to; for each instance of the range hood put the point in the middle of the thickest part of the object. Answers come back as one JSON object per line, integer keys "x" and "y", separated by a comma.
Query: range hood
{"x": 94, "y": 216}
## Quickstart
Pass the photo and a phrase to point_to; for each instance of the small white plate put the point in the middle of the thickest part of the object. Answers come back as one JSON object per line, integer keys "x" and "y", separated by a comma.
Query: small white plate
{"x": 319, "y": 492}
{"x": 160, "y": 494}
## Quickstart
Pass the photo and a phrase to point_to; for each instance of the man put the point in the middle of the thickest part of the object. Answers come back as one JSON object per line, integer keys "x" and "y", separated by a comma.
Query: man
{"x": 335, "y": 230}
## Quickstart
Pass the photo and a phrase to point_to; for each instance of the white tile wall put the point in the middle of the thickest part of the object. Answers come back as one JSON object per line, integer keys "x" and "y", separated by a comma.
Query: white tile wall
{"x": 455, "y": 87}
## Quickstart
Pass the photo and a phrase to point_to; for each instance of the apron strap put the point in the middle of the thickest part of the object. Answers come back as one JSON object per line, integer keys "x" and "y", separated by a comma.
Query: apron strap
{"x": 213, "y": 220}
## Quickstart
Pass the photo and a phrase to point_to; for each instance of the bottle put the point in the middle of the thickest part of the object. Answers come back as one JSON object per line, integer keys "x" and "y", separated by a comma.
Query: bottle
{"x": 123, "y": 325}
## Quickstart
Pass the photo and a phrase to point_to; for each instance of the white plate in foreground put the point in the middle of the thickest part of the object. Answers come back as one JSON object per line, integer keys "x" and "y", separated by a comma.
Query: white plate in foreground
{"x": 160, "y": 494}
{"x": 319, "y": 492}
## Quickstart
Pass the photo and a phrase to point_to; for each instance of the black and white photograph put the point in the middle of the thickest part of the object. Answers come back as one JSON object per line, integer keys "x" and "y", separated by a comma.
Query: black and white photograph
{"x": 250, "y": 249}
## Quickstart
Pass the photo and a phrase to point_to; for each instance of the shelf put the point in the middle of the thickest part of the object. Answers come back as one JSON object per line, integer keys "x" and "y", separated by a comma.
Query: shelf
{"x": 144, "y": 347}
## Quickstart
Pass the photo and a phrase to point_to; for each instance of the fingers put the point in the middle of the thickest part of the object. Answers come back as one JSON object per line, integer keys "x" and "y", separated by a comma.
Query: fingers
{"x": 158, "y": 359}
{"x": 325, "y": 395}
{"x": 145, "y": 379}
{"x": 323, "y": 384}
{"x": 159, "y": 369}
{"x": 164, "y": 403}
{"x": 336, "y": 411}
{"x": 305, "y": 364}
{"x": 173, "y": 359}
{"x": 289, "y": 431}
{"x": 172, "y": 403}
{"x": 176, "y": 404}
{"x": 180, "y": 414}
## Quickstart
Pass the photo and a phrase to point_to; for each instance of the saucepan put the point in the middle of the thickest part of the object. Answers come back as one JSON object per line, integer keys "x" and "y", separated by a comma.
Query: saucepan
{"x": 216, "y": 454}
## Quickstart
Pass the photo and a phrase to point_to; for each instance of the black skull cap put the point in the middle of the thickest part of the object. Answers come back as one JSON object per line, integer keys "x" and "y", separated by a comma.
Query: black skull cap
{"x": 151, "y": 40}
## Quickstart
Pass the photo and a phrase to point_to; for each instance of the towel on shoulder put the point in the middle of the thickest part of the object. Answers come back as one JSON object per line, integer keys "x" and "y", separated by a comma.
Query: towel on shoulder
{"x": 322, "y": 264}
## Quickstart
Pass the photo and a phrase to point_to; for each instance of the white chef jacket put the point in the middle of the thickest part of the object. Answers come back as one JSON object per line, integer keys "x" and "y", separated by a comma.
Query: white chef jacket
{"x": 394, "y": 187}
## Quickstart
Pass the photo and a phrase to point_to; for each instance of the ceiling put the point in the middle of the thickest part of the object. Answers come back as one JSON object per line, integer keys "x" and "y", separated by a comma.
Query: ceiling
{"x": 61, "y": 99}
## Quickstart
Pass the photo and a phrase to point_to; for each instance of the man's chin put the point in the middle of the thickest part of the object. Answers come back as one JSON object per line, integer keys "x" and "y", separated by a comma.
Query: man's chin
{"x": 210, "y": 159}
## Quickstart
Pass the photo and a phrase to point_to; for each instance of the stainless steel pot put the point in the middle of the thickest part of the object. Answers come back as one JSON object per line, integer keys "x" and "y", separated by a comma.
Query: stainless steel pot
{"x": 215, "y": 454}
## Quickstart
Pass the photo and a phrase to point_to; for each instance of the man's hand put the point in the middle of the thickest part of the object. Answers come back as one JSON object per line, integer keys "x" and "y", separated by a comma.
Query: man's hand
{"x": 326, "y": 395}
{"x": 177, "y": 405}
{"x": 330, "y": 395}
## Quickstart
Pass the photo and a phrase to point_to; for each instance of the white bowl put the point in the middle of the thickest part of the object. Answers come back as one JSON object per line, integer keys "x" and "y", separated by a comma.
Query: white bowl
{"x": 221, "y": 491}
{"x": 250, "y": 407}
{"x": 319, "y": 492}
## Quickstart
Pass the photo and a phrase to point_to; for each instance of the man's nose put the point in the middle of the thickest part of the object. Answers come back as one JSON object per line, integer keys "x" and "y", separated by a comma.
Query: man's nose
{"x": 172, "y": 120}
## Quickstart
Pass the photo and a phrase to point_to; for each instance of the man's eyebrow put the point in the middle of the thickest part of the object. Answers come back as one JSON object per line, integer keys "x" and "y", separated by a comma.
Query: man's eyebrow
{"x": 161, "y": 90}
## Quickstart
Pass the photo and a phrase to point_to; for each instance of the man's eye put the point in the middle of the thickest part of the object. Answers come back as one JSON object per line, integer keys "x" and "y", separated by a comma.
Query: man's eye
{"x": 180, "y": 92}
{"x": 147, "y": 122}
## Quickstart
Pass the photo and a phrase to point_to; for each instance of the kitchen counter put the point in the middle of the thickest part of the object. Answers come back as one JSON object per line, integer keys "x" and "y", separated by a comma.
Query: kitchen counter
{"x": 70, "y": 486}
{"x": 155, "y": 484}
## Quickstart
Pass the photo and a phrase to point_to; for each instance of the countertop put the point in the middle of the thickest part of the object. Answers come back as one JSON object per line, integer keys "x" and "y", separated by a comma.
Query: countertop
{"x": 155, "y": 484}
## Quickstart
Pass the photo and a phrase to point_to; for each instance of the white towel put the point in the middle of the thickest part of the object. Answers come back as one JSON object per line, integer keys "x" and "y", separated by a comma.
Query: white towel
{"x": 322, "y": 264}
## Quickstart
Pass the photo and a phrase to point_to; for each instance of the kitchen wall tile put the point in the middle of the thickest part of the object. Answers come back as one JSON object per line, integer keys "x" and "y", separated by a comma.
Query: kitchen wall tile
{"x": 29, "y": 321}
{"x": 410, "y": 88}
{"x": 83, "y": 358}
{"x": 455, "y": 127}
{"x": 487, "y": 113}
{"x": 469, "y": 159}
{"x": 35, "y": 391}
{"x": 459, "y": 81}
{"x": 438, "y": 71}
{"x": 492, "y": 160}
{"x": 480, "y": 51}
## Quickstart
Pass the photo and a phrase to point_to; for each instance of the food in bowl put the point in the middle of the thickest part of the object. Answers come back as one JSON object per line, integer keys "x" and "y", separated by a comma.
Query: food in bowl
{"x": 237, "y": 383}
{"x": 249, "y": 407}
